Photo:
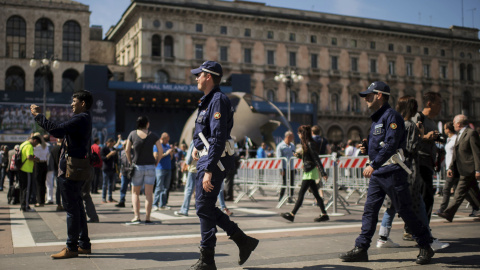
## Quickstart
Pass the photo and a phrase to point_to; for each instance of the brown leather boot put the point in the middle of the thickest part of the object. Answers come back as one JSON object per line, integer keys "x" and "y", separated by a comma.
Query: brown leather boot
{"x": 65, "y": 254}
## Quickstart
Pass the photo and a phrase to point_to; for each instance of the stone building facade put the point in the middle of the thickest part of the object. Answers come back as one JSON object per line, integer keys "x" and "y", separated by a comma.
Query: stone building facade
{"x": 56, "y": 29}
{"x": 338, "y": 56}
{"x": 160, "y": 41}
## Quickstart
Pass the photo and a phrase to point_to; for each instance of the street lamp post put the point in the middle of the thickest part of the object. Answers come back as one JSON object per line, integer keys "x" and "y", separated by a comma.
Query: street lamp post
{"x": 46, "y": 64}
{"x": 288, "y": 77}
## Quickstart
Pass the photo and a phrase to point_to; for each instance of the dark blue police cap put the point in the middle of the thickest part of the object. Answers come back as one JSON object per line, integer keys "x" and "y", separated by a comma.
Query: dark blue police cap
{"x": 211, "y": 67}
{"x": 376, "y": 87}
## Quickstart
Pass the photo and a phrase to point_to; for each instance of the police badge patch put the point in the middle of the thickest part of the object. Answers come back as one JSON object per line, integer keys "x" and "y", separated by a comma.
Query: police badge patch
{"x": 217, "y": 115}
{"x": 393, "y": 126}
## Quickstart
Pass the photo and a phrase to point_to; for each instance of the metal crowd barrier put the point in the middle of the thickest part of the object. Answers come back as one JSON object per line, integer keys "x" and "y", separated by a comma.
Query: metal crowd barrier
{"x": 259, "y": 173}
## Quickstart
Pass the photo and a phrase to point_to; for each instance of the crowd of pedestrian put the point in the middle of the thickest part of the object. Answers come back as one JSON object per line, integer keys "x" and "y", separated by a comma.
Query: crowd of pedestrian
{"x": 404, "y": 148}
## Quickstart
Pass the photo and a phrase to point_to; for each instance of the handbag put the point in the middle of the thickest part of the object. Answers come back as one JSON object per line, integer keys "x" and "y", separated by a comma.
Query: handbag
{"x": 79, "y": 169}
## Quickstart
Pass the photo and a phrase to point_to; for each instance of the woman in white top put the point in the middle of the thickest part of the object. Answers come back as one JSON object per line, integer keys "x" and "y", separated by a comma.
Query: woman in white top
{"x": 450, "y": 182}
{"x": 41, "y": 152}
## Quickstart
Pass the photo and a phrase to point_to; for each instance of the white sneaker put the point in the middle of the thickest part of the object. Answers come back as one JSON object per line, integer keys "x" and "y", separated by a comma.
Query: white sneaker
{"x": 179, "y": 214}
{"x": 155, "y": 208}
{"x": 436, "y": 245}
{"x": 166, "y": 207}
{"x": 386, "y": 243}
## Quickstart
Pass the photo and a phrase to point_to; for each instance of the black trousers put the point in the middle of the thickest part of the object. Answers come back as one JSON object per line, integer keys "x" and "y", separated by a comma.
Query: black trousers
{"x": 306, "y": 184}
{"x": 228, "y": 188}
{"x": 40, "y": 176}
{"x": 24, "y": 179}
{"x": 97, "y": 180}
{"x": 427, "y": 189}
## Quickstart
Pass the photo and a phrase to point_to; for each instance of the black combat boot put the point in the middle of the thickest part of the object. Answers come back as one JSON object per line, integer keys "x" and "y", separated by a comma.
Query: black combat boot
{"x": 206, "y": 261}
{"x": 355, "y": 255}
{"x": 245, "y": 243}
{"x": 425, "y": 255}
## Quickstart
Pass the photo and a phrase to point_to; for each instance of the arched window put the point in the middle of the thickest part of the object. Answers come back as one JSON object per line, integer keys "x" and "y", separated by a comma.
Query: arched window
{"x": 444, "y": 111}
{"x": 462, "y": 72}
{"x": 168, "y": 47}
{"x": 44, "y": 38}
{"x": 469, "y": 72}
{"x": 16, "y": 32}
{"x": 271, "y": 95}
{"x": 68, "y": 80}
{"x": 15, "y": 79}
{"x": 314, "y": 99}
{"x": 293, "y": 97}
{"x": 354, "y": 134}
{"x": 72, "y": 36}
{"x": 335, "y": 135}
{"x": 334, "y": 103}
{"x": 41, "y": 83}
{"x": 156, "y": 45}
{"x": 355, "y": 107}
{"x": 161, "y": 77}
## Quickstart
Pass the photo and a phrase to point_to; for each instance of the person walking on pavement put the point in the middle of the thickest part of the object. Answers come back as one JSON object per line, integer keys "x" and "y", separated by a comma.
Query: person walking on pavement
{"x": 123, "y": 176}
{"x": 312, "y": 168}
{"x": 25, "y": 174}
{"x": 214, "y": 150}
{"x": 40, "y": 169}
{"x": 465, "y": 164}
{"x": 163, "y": 173}
{"x": 407, "y": 107}
{"x": 55, "y": 155}
{"x": 141, "y": 141}
{"x": 109, "y": 159}
{"x": 97, "y": 166}
{"x": 286, "y": 149}
{"x": 76, "y": 133}
{"x": 386, "y": 139}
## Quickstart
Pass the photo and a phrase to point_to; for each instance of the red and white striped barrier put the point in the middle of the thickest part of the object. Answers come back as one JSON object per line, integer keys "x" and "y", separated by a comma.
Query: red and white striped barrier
{"x": 352, "y": 162}
{"x": 327, "y": 163}
{"x": 261, "y": 164}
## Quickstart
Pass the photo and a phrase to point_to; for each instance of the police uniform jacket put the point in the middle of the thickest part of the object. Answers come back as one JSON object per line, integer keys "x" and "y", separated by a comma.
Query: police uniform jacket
{"x": 215, "y": 121}
{"x": 387, "y": 126}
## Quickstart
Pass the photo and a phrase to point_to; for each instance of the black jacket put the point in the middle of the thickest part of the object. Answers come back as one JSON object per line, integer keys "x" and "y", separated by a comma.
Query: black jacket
{"x": 311, "y": 160}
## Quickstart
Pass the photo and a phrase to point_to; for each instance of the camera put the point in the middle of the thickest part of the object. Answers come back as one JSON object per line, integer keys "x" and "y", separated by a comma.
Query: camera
{"x": 442, "y": 138}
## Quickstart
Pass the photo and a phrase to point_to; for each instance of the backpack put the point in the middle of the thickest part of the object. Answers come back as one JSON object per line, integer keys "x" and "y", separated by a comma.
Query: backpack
{"x": 16, "y": 161}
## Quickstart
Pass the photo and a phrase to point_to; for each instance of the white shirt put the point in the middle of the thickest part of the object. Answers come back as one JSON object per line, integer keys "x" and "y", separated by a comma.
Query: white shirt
{"x": 350, "y": 150}
{"x": 449, "y": 146}
{"x": 41, "y": 153}
{"x": 461, "y": 131}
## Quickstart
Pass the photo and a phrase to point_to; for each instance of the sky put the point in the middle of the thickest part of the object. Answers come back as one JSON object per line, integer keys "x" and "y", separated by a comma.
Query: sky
{"x": 438, "y": 13}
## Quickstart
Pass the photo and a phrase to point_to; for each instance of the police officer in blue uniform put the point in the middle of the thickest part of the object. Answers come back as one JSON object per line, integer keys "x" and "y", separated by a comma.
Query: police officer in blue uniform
{"x": 211, "y": 139}
{"x": 386, "y": 138}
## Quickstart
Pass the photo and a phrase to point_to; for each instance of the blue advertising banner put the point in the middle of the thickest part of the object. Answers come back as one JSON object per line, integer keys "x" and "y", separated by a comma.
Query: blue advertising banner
{"x": 164, "y": 87}
{"x": 103, "y": 107}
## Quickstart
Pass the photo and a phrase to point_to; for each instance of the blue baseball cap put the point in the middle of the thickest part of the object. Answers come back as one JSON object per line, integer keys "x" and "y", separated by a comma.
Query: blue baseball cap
{"x": 376, "y": 87}
{"x": 211, "y": 67}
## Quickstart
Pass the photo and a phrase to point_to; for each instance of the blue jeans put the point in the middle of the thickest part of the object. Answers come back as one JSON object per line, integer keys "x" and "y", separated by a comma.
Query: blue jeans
{"x": 163, "y": 178}
{"x": 108, "y": 178}
{"x": 77, "y": 230}
{"x": 389, "y": 215}
{"x": 123, "y": 189}
{"x": 221, "y": 198}
{"x": 189, "y": 189}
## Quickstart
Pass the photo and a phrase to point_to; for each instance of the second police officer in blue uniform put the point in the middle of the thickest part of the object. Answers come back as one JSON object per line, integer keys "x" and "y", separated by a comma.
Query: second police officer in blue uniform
{"x": 386, "y": 138}
{"x": 214, "y": 148}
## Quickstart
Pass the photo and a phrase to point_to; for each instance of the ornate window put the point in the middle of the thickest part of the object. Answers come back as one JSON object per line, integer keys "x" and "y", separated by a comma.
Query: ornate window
{"x": 16, "y": 32}
{"x": 156, "y": 45}
{"x": 293, "y": 97}
{"x": 355, "y": 107}
{"x": 68, "y": 80}
{"x": 44, "y": 33}
{"x": 314, "y": 99}
{"x": 72, "y": 37}
{"x": 334, "y": 102}
{"x": 168, "y": 47}
{"x": 15, "y": 79}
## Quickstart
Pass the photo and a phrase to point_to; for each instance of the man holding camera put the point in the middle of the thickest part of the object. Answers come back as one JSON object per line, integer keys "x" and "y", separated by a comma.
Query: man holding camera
{"x": 432, "y": 105}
